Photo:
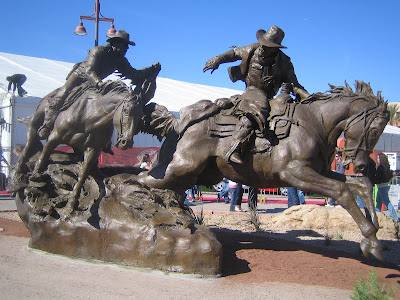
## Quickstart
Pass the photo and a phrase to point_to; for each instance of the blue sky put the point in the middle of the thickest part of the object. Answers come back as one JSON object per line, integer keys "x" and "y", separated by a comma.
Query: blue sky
{"x": 328, "y": 41}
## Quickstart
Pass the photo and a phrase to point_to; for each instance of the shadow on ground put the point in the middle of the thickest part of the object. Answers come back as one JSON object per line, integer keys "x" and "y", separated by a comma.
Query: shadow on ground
{"x": 233, "y": 241}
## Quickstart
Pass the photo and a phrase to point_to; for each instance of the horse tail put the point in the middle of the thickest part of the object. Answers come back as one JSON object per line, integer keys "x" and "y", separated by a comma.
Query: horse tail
{"x": 25, "y": 120}
{"x": 158, "y": 120}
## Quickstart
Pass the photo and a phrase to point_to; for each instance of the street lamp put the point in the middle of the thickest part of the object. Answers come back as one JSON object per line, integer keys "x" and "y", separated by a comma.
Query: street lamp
{"x": 97, "y": 17}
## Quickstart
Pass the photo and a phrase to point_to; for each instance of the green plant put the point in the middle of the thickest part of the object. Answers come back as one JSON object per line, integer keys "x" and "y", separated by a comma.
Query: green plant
{"x": 339, "y": 236}
{"x": 221, "y": 221}
{"x": 371, "y": 290}
{"x": 397, "y": 226}
{"x": 394, "y": 117}
{"x": 199, "y": 215}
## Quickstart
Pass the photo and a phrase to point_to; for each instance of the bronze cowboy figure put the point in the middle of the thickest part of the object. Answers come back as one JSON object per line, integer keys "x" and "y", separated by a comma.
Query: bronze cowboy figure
{"x": 101, "y": 62}
{"x": 264, "y": 68}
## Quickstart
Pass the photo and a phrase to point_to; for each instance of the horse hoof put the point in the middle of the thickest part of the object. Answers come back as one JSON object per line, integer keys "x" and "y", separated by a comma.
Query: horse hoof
{"x": 374, "y": 248}
{"x": 377, "y": 252}
{"x": 365, "y": 246}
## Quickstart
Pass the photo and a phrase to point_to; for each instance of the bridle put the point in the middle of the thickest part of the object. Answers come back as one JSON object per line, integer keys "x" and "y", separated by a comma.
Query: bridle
{"x": 127, "y": 104}
{"x": 367, "y": 116}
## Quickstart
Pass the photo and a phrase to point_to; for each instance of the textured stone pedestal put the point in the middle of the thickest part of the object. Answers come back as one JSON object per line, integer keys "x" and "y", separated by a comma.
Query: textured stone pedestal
{"x": 129, "y": 224}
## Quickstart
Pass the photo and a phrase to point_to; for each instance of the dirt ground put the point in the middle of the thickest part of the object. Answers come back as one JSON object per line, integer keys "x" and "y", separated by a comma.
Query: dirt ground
{"x": 252, "y": 258}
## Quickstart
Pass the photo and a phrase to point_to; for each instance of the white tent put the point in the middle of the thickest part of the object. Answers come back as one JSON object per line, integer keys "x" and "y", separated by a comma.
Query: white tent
{"x": 389, "y": 140}
{"x": 44, "y": 75}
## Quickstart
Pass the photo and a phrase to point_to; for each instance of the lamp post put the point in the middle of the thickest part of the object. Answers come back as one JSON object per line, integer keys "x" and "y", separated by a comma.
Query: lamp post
{"x": 97, "y": 17}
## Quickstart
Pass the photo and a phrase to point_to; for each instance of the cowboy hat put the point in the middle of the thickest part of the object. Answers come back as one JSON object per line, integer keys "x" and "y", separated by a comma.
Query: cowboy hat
{"x": 272, "y": 38}
{"x": 123, "y": 36}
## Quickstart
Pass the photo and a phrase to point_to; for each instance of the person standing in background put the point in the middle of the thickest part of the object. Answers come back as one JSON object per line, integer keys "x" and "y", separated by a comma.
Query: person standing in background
{"x": 236, "y": 191}
{"x": 295, "y": 196}
{"x": 383, "y": 176}
{"x": 223, "y": 194}
{"x": 340, "y": 170}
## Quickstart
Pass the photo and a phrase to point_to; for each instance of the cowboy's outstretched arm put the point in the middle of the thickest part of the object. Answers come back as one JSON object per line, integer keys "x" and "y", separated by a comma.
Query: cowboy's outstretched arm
{"x": 213, "y": 63}
{"x": 291, "y": 77}
{"x": 138, "y": 76}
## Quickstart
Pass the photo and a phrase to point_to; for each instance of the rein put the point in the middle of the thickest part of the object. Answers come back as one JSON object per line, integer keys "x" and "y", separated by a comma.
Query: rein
{"x": 367, "y": 116}
{"x": 124, "y": 111}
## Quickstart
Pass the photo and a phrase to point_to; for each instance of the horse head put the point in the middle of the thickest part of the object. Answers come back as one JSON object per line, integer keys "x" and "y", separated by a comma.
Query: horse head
{"x": 365, "y": 126}
{"x": 129, "y": 114}
{"x": 126, "y": 119}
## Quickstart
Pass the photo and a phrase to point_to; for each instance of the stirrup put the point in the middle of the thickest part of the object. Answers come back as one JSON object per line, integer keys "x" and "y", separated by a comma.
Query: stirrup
{"x": 235, "y": 158}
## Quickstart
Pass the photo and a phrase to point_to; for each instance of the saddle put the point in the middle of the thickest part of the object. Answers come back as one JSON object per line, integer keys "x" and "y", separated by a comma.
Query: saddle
{"x": 281, "y": 118}
{"x": 224, "y": 125}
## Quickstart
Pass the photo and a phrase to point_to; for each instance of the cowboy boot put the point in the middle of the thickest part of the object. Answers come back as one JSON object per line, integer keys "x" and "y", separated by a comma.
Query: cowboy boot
{"x": 239, "y": 140}
{"x": 51, "y": 114}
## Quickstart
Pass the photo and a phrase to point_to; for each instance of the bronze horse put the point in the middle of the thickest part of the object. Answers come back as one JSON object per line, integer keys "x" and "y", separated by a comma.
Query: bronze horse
{"x": 87, "y": 124}
{"x": 302, "y": 160}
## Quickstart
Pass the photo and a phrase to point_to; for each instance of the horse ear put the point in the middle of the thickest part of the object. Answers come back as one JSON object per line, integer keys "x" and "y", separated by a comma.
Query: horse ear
{"x": 378, "y": 97}
{"x": 131, "y": 91}
{"x": 347, "y": 85}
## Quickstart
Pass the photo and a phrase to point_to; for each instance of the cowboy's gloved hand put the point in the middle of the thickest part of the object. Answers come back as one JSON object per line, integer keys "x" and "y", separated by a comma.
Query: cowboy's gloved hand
{"x": 101, "y": 84}
{"x": 157, "y": 67}
{"x": 224, "y": 102}
{"x": 303, "y": 94}
{"x": 212, "y": 64}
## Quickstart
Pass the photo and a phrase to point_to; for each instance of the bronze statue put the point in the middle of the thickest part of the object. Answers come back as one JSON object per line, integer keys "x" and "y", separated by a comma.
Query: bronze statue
{"x": 83, "y": 109}
{"x": 194, "y": 152}
{"x": 101, "y": 62}
{"x": 86, "y": 125}
{"x": 138, "y": 217}
{"x": 264, "y": 68}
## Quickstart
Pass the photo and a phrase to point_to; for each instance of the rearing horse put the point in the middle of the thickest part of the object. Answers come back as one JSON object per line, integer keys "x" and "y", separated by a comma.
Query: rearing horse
{"x": 301, "y": 160}
{"x": 87, "y": 124}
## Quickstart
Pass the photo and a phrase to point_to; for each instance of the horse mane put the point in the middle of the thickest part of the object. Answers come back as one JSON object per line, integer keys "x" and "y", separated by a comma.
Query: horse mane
{"x": 363, "y": 91}
{"x": 114, "y": 87}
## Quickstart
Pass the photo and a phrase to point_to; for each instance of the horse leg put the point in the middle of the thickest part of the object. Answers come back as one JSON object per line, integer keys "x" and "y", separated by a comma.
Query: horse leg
{"x": 362, "y": 187}
{"x": 32, "y": 142}
{"x": 179, "y": 174}
{"x": 305, "y": 178}
{"x": 90, "y": 158}
{"x": 48, "y": 148}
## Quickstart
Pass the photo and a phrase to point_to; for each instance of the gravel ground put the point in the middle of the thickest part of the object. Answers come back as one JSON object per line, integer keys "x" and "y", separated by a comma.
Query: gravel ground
{"x": 269, "y": 228}
{"x": 321, "y": 238}
{"x": 256, "y": 265}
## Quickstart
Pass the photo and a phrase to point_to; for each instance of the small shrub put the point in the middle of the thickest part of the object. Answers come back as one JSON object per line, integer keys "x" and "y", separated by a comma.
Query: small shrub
{"x": 339, "y": 236}
{"x": 199, "y": 216}
{"x": 397, "y": 226}
{"x": 371, "y": 290}
{"x": 221, "y": 221}
{"x": 254, "y": 218}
